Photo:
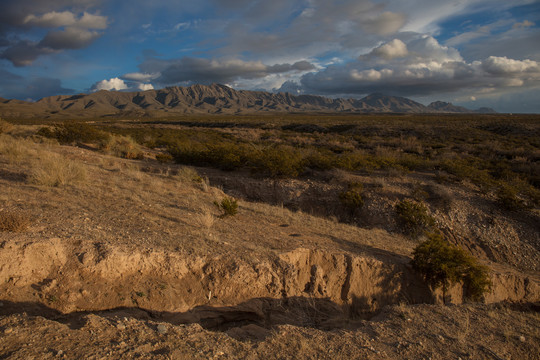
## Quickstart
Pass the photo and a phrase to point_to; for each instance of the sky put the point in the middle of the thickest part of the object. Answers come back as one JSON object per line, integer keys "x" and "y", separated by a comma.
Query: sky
{"x": 472, "y": 53}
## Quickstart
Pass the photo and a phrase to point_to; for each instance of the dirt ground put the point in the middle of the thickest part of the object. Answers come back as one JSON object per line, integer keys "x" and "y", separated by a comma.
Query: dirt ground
{"x": 132, "y": 259}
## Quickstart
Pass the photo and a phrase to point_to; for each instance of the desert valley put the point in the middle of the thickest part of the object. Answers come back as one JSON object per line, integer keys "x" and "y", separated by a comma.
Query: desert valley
{"x": 209, "y": 223}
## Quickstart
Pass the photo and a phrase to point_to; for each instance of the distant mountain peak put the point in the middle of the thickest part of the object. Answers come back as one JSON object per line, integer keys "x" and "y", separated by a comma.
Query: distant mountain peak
{"x": 210, "y": 99}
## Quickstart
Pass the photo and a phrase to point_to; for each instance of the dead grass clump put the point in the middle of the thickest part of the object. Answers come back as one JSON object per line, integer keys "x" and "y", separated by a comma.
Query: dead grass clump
{"x": 205, "y": 220}
{"x": 13, "y": 221}
{"x": 55, "y": 170}
{"x": 188, "y": 174}
{"x": 5, "y": 127}
{"x": 15, "y": 150}
{"x": 122, "y": 146}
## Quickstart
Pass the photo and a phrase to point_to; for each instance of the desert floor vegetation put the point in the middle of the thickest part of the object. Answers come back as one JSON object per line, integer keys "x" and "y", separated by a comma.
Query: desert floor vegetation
{"x": 289, "y": 203}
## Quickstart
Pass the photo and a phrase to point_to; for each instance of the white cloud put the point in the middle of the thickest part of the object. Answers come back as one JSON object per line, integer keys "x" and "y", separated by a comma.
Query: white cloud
{"x": 502, "y": 65}
{"x": 393, "y": 49}
{"x": 111, "y": 84}
{"x": 426, "y": 68}
{"x": 144, "y": 87}
{"x": 51, "y": 19}
{"x": 90, "y": 21}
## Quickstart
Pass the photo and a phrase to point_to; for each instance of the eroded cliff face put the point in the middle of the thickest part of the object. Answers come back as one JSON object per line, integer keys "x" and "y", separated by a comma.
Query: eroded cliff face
{"x": 223, "y": 289}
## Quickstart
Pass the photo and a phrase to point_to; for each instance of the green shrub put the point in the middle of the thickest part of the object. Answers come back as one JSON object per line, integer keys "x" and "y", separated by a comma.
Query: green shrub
{"x": 228, "y": 205}
{"x": 164, "y": 158}
{"x": 69, "y": 133}
{"x": 279, "y": 161}
{"x": 442, "y": 264}
{"x": 415, "y": 217}
{"x": 508, "y": 197}
{"x": 352, "y": 198}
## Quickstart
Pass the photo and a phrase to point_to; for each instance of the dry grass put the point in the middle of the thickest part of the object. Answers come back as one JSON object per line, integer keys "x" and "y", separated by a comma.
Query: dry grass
{"x": 55, "y": 170}
{"x": 13, "y": 221}
{"x": 122, "y": 146}
{"x": 188, "y": 174}
{"x": 15, "y": 150}
{"x": 205, "y": 220}
{"x": 5, "y": 127}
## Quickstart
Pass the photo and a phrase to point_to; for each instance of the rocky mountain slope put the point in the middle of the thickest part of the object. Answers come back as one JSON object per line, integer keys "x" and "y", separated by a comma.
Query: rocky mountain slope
{"x": 212, "y": 99}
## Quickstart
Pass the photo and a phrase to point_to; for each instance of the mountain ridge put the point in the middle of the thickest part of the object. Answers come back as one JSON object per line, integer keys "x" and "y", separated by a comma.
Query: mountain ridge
{"x": 211, "y": 99}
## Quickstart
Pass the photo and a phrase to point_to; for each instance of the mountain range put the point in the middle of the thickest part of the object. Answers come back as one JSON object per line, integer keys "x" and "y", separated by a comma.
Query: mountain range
{"x": 210, "y": 99}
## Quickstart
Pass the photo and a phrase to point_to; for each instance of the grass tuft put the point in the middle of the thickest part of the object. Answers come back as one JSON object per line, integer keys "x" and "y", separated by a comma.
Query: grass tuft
{"x": 55, "y": 170}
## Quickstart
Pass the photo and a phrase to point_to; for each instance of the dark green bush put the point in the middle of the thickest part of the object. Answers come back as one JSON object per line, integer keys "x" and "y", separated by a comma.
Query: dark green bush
{"x": 279, "y": 161}
{"x": 415, "y": 217}
{"x": 352, "y": 198}
{"x": 76, "y": 132}
{"x": 508, "y": 197}
{"x": 442, "y": 264}
{"x": 164, "y": 158}
{"x": 228, "y": 205}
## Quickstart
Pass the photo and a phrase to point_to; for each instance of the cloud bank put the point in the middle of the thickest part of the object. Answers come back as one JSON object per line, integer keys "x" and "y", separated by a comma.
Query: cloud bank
{"x": 65, "y": 30}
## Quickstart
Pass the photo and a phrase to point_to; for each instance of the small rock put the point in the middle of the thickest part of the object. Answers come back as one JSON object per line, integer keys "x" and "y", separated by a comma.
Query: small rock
{"x": 60, "y": 353}
{"x": 522, "y": 338}
{"x": 8, "y": 330}
{"x": 120, "y": 326}
{"x": 162, "y": 329}
{"x": 440, "y": 338}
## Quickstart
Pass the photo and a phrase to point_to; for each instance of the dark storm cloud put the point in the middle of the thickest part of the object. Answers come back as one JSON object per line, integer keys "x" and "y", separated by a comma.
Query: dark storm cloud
{"x": 69, "y": 29}
{"x": 34, "y": 88}
{"x": 205, "y": 71}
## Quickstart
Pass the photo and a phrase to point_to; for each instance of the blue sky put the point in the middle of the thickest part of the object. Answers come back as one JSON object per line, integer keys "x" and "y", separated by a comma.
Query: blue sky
{"x": 470, "y": 52}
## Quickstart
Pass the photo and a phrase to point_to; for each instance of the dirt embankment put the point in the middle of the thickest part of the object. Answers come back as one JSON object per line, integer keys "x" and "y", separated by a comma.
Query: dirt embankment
{"x": 294, "y": 287}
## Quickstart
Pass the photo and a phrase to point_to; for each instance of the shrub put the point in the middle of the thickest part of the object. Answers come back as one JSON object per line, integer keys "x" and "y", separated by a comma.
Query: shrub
{"x": 228, "y": 205}
{"x": 279, "y": 161}
{"x": 414, "y": 217}
{"x": 507, "y": 196}
{"x": 69, "y": 133}
{"x": 164, "y": 158}
{"x": 443, "y": 264}
{"x": 439, "y": 197}
{"x": 13, "y": 221}
{"x": 352, "y": 198}
{"x": 121, "y": 146}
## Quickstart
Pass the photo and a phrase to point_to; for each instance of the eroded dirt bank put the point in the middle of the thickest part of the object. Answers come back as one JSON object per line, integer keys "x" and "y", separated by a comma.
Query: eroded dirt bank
{"x": 291, "y": 287}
